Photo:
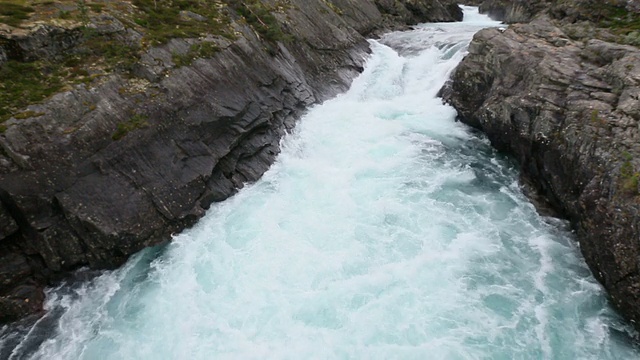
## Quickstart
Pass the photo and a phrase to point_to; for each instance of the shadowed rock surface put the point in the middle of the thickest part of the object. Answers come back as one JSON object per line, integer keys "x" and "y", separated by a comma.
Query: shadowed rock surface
{"x": 96, "y": 173}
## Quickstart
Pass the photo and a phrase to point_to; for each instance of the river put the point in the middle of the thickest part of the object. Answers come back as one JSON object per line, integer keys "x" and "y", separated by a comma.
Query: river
{"x": 385, "y": 230}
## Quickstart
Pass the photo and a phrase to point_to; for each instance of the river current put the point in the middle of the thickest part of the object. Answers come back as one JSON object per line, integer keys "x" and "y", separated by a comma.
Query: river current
{"x": 385, "y": 230}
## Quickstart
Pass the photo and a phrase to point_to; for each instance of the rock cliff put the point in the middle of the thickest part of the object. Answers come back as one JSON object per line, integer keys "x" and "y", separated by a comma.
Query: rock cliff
{"x": 148, "y": 135}
{"x": 567, "y": 106}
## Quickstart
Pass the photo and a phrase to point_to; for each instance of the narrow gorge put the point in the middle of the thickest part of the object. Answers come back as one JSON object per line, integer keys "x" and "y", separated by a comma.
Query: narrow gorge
{"x": 278, "y": 186}
{"x": 121, "y": 161}
{"x": 562, "y": 94}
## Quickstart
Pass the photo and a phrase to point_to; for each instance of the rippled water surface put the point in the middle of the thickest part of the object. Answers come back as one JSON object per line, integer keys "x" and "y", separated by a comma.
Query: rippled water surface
{"x": 385, "y": 230}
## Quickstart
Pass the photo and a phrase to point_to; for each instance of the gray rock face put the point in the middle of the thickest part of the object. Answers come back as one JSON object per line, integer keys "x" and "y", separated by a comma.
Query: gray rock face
{"x": 569, "y": 111}
{"x": 3, "y": 56}
{"x": 512, "y": 11}
{"x": 102, "y": 172}
{"x": 44, "y": 42}
{"x": 569, "y": 11}
{"x": 413, "y": 11}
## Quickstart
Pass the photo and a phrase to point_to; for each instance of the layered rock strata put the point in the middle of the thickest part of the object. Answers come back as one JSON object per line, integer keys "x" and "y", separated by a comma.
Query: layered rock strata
{"x": 97, "y": 172}
{"x": 569, "y": 111}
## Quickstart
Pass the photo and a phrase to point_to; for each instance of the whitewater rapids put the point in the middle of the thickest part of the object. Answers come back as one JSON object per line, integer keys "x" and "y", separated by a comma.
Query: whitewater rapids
{"x": 385, "y": 230}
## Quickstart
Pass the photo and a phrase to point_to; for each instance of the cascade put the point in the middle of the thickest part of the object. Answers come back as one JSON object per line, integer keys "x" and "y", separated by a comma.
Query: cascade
{"x": 384, "y": 230}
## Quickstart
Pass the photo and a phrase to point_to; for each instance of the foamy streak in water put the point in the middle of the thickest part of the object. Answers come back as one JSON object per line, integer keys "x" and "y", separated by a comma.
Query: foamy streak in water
{"x": 384, "y": 230}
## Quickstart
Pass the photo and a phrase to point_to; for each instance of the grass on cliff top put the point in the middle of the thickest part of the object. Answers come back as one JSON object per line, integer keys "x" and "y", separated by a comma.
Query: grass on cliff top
{"x": 201, "y": 50}
{"x": 163, "y": 20}
{"x": 617, "y": 18}
{"x": 158, "y": 20}
{"x": 13, "y": 13}
{"x": 26, "y": 83}
{"x": 630, "y": 178}
{"x": 260, "y": 18}
{"x": 624, "y": 24}
{"x": 620, "y": 25}
{"x": 22, "y": 84}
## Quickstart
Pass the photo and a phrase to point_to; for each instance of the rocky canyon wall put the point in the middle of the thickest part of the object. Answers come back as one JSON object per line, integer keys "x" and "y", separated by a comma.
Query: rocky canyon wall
{"x": 120, "y": 160}
{"x": 562, "y": 94}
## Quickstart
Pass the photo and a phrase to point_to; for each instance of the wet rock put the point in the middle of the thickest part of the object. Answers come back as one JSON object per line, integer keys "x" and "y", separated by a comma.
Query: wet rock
{"x": 105, "y": 171}
{"x": 568, "y": 111}
{"x": 23, "y": 300}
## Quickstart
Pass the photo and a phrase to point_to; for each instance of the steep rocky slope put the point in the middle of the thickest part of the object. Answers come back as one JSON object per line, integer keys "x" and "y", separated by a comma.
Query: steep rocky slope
{"x": 141, "y": 129}
{"x": 568, "y": 107}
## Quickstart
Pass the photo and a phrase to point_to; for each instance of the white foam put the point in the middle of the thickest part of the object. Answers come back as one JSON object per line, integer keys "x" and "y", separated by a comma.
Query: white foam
{"x": 384, "y": 230}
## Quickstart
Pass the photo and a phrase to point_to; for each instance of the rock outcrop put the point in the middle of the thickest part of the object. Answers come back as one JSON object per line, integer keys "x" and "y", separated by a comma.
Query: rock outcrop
{"x": 97, "y": 172}
{"x": 412, "y": 12}
{"x": 567, "y": 11}
{"x": 512, "y": 11}
{"x": 569, "y": 111}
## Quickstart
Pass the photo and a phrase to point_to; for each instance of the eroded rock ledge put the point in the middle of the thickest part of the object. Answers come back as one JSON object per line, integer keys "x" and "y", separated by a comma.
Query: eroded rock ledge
{"x": 96, "y": 173}
{"x": 569, "y": 110}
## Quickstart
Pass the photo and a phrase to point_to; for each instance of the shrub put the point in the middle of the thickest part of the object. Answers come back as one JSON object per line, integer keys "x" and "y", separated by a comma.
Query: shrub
{"x": 137, "y": 121}
{"x": 13, "y": 14}
{"x": 260, "y": 18}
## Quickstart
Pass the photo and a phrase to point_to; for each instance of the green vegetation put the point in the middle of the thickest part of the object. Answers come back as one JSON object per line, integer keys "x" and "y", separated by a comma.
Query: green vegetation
{"x": 22, "y": 84}
{"x": 64, "y": 15}
{"x": 604, "y": 18}
{"x": 261, "y": 19}
{"x": 205, "y": 49}
{"x": 12, "y": 14}
{"x": 137, "y": 121}
{"x": 632, "y": 38}
{"x": 28, "y": 114}
{"x": 167, "y": 19}
{"x": 98, "y": 54}
{"x": 619, "y": 21}
{"x": 84, "y": 11}
{"x": 201, "y": 50}
{"x": 25, "y": 83}
{"x": 163, "y": 20}
{"x": 112, "y": 54}
{"x": 597, "y": 120}
{"x": 630, "y": 177}
{"x": 333, "y": 7}
{"x": 97, "y": 8}
{"x": 625, "y": 24}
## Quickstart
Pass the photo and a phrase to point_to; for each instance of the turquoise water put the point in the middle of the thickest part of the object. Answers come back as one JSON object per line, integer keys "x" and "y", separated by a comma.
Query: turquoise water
{"x": 385, "y": 230}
